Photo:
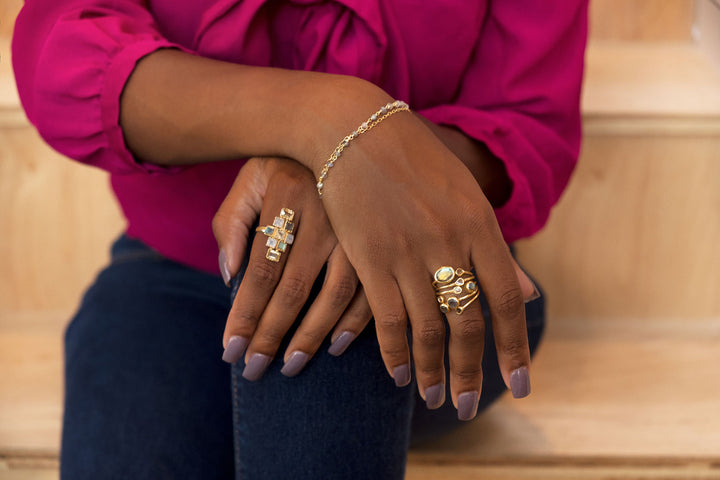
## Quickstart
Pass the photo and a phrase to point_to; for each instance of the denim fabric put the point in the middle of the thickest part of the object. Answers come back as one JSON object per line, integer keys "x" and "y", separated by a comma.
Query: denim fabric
{"x": 343, "y": 417}
{"x": 148, "y": 397}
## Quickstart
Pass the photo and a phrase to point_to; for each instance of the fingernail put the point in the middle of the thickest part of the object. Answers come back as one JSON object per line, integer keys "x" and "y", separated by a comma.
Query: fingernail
{"x": 520, "y": 382}
{"x": 401, "y": 375}
{"x": 234, "y": 349}
{"x": 535, "y": 295}
{"x": 341, "y": 343}
{"x": 468, "y": 405}
{"x": 224, "y": 270}
{"x": 256, "y": 366}
{"x": 435, "y": 396}
{"x": 295, "y": 363}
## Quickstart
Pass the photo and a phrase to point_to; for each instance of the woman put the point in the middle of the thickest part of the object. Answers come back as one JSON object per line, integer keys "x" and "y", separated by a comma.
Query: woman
{"x": 167, "y": 96}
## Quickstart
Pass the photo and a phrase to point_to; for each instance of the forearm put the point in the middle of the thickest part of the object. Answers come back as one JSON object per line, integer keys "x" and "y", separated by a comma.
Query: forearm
{"x": 182, "y": 109}
{"x": 487, "y": 169}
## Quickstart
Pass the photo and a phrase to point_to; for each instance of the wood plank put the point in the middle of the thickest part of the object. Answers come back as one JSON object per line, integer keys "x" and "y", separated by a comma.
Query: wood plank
{"x": 62, "y": 217}
{"x": 607, "y": 389}
{"x": 420, "y": 469}
{"x": 8, "y": 12}
{"x": 707, "y": 28}
{"x": 635, "y": 235}
{"x": 641, "y": 20}
{"x": 604, "y": 388}
{"x": 650, "y": 80}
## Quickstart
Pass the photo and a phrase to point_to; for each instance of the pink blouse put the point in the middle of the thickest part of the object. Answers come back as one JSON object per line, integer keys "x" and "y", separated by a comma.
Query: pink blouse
{"x": 505, "y": 72}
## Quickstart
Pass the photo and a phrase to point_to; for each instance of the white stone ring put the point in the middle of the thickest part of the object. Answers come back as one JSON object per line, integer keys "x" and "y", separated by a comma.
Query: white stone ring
{"x": 280, "y": 234}
{"x": 455, "y": 289}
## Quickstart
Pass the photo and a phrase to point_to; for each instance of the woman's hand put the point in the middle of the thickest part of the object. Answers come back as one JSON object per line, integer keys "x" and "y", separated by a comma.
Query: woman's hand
{"x": 402, "y": 206}
{"x": 272, "y": 294}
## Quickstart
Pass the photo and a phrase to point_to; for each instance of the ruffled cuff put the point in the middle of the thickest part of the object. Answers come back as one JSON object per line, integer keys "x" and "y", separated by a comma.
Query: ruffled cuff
{"x": 79, "y": 78}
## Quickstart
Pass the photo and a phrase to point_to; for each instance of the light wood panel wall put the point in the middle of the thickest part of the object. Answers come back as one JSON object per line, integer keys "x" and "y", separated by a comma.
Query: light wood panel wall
{"x": 8, "y": 11}
{"x": 637, "y": 232}
{"x": 57, "y": 220}
{"x": 641, "y": 20}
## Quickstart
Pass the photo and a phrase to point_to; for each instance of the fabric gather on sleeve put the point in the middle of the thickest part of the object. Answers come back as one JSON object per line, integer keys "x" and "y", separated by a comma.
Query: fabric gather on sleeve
{"x": 520, "y": 96}
{"x": 72, "y": 64}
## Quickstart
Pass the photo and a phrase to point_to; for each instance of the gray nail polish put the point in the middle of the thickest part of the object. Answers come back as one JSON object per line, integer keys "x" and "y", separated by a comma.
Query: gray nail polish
{"x": 256, "y": 366}
{"x": 467, "y": 405}
{"x": 520, "y": 382}
{"x": 295, "y": 363}
{"x": 401, "y": 375}
{"x": 341, "y": 343}
{"x": 224, "y": 270}
{"x": 234, "y": 349}
{"x": 435, "y": 396}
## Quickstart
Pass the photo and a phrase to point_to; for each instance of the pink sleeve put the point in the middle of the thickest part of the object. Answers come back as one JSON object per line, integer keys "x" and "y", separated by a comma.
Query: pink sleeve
{"x": 71, "y": 60}
{"x": 520, "y": 96}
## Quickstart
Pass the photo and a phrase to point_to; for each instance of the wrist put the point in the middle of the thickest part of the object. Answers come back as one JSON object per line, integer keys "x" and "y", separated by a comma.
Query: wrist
{"x": 334, "y": 106}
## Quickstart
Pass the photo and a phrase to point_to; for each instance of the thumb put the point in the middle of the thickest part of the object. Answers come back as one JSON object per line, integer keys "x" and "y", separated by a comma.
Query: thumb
{"x": 237, "y": 214}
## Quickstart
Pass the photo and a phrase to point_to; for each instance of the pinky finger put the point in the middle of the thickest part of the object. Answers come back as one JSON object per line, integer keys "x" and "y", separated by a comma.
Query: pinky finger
{"x": 351, "y": 324}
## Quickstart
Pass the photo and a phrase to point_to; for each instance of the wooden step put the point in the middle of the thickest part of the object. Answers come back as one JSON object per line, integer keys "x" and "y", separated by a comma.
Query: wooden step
{"x": 650, "y": 88}
{"x": 604, "y": 392}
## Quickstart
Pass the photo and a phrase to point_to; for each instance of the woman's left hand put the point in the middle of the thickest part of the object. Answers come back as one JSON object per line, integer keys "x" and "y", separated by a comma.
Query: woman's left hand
{"x": 272, "y": 294}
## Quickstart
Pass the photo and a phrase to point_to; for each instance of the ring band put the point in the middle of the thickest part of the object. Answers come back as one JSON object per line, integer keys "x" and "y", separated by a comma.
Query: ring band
{"x": 280, "y": 234}
{"x": 455, "y": 289}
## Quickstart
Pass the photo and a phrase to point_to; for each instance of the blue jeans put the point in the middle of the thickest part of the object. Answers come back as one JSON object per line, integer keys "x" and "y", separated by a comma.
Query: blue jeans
{"x": 148, "y": 397}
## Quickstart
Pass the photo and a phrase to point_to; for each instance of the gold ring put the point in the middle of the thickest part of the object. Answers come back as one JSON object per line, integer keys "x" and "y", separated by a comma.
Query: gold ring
{"x": 280, "y": 234}
{"x": 455, "y": 289}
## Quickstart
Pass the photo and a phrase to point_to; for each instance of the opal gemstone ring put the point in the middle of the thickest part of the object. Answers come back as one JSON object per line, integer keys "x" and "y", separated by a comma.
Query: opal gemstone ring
{"x": 280, "y": 234}
{"x": 455, "y": 289}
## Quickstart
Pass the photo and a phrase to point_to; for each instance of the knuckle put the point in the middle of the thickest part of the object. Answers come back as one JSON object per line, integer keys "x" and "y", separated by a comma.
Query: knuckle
{"x": 429, "y": 371}
{"x": 471, "y": 328}
{"x": 468, "y": 373}
{"x": 241, "y": 320}
{"x": 510, "y": 303}
{"x": 392, "y": 321}
{"x": 263, "y": 274}
{"x": 294, "y": 289}
{"x": 312, "y": 336}
{"x": 441, "y": 230}
{"x": 514, "y": 348}
{"x": 395, "y": 354}
{"x": 272, "y": 335}
{"x": 431, "y": 334}
{"x": 342, "y": 291}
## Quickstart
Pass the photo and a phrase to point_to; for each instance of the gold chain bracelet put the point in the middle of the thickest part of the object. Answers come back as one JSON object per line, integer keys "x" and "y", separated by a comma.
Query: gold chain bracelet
{"x": 377, "y": 117}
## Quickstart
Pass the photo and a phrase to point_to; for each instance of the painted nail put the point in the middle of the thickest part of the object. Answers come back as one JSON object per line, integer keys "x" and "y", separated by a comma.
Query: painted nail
{"x": 520, "y": 382}
{"x": 535, "y": 295}
{"x": 341, "y": 343}
{"x": 435, "y": 396}
{"x": 224, "y": 270}
{"x": 234, "y": 349}
{"x": 256, "y": 366}
{"x": 401, "y": 375}
{"x": 295, "y": 363}
{"x": 467, "y": 405}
